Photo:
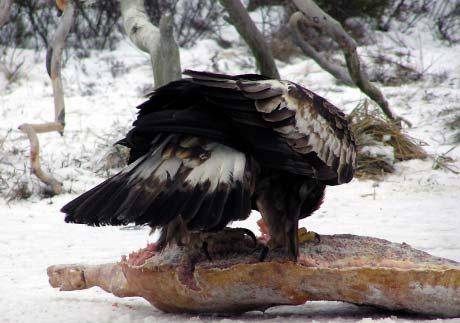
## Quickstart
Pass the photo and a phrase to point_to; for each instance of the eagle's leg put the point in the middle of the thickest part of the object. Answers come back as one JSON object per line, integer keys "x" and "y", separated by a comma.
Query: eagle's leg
{"x": 303, "y": 236}
{"x": 283, "y": 243}
{"x": 282, "y": 229}
{"x": 174, "y": 233}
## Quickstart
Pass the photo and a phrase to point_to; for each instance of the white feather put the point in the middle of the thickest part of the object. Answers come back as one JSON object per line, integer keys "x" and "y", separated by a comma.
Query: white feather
{"x": 224, "y": 165}
{"x": 168, "y": 168}
{"x": 146, "y": 168}
{"x": 313, "y": 141}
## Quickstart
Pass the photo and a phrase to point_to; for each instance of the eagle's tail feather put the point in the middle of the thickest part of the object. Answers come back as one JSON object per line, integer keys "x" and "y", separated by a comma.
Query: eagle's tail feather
{"x": 207, "y": 190}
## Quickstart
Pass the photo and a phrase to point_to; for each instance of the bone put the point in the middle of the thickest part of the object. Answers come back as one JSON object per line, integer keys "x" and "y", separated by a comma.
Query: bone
{"x": 348, "y": 268}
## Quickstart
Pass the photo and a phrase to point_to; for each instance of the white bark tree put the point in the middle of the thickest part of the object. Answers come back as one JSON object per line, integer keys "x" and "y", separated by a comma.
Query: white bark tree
{"x": 159, "y": 43}
{"x": 5, "y": 7}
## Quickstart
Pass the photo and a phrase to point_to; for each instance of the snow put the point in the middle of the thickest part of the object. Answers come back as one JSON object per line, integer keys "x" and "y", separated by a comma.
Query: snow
{"x": 417, "y": 205}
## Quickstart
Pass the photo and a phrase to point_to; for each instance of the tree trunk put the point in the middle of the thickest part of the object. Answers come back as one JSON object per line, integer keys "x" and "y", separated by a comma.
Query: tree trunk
{"x": 159, "y": 43}
{"x": 243, "y": 23}
{"x": 5, "y": 7}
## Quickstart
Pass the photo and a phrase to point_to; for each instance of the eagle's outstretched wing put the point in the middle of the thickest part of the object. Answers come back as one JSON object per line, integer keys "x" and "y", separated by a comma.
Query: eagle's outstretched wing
{"x": 206, "y": 183}
{"x": 309, "y": 124}
{"x": 198, "y": 144}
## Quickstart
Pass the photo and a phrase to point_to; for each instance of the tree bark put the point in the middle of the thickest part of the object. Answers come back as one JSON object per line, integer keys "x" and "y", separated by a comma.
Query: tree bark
{"x": 167, "y": 66}
{"x": 159, "y": 43}
{"x": 53, "y": 67}
{"x": 253, "y": 37}
{"x": 316, "y": 17}
{"x": 5, "y": 7}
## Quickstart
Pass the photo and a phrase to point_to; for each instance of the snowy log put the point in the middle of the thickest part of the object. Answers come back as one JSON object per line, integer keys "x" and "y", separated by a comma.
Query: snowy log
{"x": 5, "y": 7}
{"x": 316, "y": 17}
{"x": 243, "y": 23}
{"x": 53, "y": 67}
{"x": 348, "y": 268}
{"x": 159, "y": 43}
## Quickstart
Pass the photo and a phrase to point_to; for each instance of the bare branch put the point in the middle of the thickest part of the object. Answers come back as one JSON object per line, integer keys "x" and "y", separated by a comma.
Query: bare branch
{"x": 5, "y": 7}
{"x": 53, "y": 59}
{"x": 337, "y": 71}
{"x": 158, "y": 43}
{"x": 316, "y": 17}
{"x": 53, "y": 66}
{"x": 247, "y": 29}
{"x": 35, "y": 168}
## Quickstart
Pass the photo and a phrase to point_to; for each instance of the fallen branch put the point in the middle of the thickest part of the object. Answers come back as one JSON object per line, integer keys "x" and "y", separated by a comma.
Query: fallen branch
{"x": 159, "y": 43}
{"x": 5, "y": 7}
{"x": 243, "y": 23}
{"x": 316, "y": 17}
{"x": 53, "y": 67}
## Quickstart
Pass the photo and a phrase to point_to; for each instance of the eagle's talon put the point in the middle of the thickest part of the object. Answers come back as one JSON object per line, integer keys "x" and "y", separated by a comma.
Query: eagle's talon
{"x": 238, "y": 233}
{"x": 222, "y": 242}
{"x": 251, "y": 235}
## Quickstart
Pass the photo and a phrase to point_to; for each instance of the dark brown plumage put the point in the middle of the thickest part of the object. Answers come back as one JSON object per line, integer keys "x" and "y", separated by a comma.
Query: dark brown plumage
{"x": 206, "y": 150}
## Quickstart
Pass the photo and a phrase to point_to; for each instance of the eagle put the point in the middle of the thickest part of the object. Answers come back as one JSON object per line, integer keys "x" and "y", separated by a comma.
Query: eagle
{"x": 207, "y": 149}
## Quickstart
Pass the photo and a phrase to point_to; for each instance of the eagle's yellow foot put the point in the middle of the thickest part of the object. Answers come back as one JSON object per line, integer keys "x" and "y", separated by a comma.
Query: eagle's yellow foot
{"x": 224, "y": 241}
{"x": 308, "y": 236}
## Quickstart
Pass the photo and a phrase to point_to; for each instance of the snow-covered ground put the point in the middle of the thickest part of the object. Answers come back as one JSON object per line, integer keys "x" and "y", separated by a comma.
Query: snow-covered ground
{"x": 417, "y": 204}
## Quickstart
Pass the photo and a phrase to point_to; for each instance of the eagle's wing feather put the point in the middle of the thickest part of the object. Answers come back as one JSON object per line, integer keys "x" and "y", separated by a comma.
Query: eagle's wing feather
{"x": 309, "y": 124}
{"x": 206, "y": 183}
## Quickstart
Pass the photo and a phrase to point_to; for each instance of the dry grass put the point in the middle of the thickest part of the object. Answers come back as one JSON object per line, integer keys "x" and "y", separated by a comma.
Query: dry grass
{"x": 372, "y": 128}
